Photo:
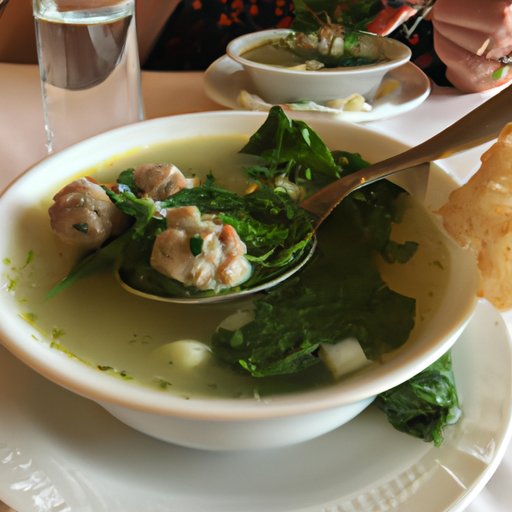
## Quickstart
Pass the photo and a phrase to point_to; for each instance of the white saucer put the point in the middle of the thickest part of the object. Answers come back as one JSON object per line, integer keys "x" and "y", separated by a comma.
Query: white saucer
{"x": 62, "y": 453}
{"x": 225, "y": 78}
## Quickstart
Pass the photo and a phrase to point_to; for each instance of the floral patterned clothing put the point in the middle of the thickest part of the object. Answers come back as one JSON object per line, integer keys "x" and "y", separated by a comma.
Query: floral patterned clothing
{"x": 199, "y": 30}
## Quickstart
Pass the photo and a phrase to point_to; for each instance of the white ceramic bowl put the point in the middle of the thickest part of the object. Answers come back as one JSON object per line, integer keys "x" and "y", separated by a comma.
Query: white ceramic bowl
{"x": 282, "y": 85}
{"x": 220, "y": 423}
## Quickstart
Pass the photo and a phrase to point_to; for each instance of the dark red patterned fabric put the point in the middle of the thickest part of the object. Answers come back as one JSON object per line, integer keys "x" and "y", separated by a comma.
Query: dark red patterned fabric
{"x": 199, "y": 30}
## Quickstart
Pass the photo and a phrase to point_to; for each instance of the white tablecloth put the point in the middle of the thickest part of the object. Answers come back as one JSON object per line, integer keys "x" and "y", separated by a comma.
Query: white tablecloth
{"x": 22, "y": 144}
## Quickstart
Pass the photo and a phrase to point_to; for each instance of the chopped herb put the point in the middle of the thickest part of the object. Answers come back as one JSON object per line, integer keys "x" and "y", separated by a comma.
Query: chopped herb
{"x": 29, "y": 317}
{"x": 500, "y": 73}
{"x": 83, "y": 227}
{"x": 196, "y": 245}
{"x": 399, "y": 253}
{"x": 121, "y": 373}
{"x": 143, "y": 340}
{"x": 11, "y": 284}
{"x": 61, "y": 348}
{"x": 57, "y": 333}
{"x": 162, "y": 383}
{"x": 29, "y": 258}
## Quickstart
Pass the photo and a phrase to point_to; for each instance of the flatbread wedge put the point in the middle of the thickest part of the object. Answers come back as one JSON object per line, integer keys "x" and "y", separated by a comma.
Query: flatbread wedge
{"x": 478, "y": 215}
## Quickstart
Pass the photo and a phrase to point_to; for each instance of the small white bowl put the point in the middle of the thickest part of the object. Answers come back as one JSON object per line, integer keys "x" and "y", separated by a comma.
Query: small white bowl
{"x": 282, "y": 85}
{"x": 207, "y": 423}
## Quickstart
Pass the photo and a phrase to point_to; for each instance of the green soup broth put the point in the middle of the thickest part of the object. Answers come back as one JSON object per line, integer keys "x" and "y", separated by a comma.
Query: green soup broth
{"x": 128, "y": 337}
{"x": 272, "y": 55}
{"x": 99, "y": 323}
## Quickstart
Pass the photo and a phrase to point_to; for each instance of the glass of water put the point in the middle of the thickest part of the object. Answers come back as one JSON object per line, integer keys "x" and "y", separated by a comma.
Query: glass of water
{"x": 89, "y": 67}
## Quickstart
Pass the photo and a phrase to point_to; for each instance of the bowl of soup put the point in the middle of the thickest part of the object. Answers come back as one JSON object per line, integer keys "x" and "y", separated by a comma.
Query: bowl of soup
{"x": 279, "y": 75}
{"x": 160, "y": 367}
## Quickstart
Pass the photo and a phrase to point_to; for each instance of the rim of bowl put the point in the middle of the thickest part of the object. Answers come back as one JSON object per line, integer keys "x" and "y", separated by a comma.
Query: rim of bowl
{"x": 236, "y": 47}
{"x": 93, "y": 384}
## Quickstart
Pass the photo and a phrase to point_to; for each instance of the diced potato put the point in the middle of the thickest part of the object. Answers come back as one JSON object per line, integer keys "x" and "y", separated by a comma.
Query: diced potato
{"x": 343, "y": 357}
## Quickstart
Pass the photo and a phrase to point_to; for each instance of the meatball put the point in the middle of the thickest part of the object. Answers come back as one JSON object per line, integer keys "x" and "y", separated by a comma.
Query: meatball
{"x": 160, "y": 181}
{"x": 83, "y": 215}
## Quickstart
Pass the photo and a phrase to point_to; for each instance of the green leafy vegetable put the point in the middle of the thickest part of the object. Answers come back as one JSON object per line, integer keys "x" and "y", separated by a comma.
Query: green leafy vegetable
{"x": 274, "y": 228}
{"x": 292, "y": 148}
{"x": 97, "y": 261}
{"x": 424, "y": 405}
{"x": 127, "y": 178}
{"x": 141, "y": 209}
{"x": 352, "y": 14}
{"x": 330, "y": 33}
{"x": 339, "y": 295}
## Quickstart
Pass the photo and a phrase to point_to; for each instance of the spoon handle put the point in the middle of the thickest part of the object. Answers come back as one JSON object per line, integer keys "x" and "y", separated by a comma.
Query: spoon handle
{"x": 481, "y": 125}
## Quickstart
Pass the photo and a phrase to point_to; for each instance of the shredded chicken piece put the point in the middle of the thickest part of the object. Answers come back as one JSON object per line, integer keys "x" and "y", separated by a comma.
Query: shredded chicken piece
{"x": 218, "y": 260}
{"x": 160, "y": 181}
{"x": 83, "y": 215}
{"x": 479, "y": 215}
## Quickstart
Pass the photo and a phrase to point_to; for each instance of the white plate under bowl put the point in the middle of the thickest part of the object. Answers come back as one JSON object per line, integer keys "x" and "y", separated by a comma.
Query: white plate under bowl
{"x": 225, "y": 78}
{"x": 62, "y": 453}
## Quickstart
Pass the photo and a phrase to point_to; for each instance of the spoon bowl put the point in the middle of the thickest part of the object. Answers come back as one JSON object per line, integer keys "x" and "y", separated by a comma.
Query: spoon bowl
{"x": 228, "y": 295}
{"x": 480, "y": 125}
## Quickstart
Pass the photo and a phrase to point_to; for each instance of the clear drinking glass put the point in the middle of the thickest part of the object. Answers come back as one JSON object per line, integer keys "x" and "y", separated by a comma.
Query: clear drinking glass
{"x": 89, "y": 67}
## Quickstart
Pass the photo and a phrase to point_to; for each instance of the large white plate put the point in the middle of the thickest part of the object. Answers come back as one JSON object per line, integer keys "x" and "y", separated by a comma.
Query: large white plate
{"x": 62, "y": 453}
{"x": 225, "y": 78}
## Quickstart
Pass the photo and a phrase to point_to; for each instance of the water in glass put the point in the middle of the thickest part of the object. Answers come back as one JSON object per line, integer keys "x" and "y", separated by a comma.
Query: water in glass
{"x": 89, "y": 67}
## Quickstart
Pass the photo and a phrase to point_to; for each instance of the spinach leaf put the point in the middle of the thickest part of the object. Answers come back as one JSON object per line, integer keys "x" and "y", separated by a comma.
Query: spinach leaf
{"x": 274, "y": 228}
{"x": 99, "y": 260}
{"x": 339, "y": 294}
{"x": 290, "y": 147}
{"x": 351, "y": 14}
{"x": 141, "y": 209}
{"x": 425, "y": 404}
{"x": 127, "y": 178}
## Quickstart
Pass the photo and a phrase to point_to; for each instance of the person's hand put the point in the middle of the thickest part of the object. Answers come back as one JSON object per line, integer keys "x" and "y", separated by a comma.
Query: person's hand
{"x": 474, "y": 40}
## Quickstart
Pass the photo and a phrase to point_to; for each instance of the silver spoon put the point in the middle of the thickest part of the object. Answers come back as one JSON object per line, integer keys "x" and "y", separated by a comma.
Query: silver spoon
{"x": 480, "y": 125}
